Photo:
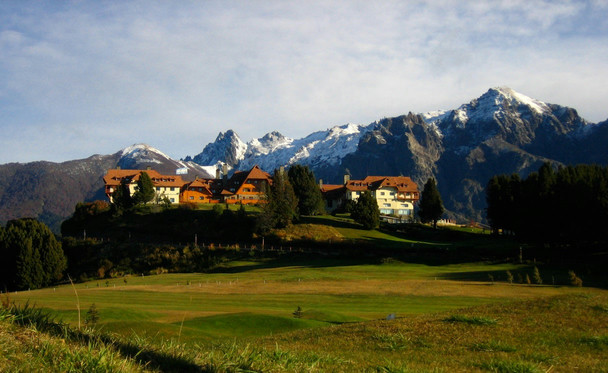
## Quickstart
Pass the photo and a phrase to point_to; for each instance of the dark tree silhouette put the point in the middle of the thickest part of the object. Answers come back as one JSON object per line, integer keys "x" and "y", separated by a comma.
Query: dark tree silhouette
{"x": 366, "y": 211}
{"x": 306, "y": 189}
{"x": 31, "y": 256}
{"x": 431, "y": 206}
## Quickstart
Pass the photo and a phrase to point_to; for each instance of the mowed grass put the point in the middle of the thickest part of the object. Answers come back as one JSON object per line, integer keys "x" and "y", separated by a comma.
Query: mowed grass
{"x": 257, "y": 298}
{"x": 562, "y": 334}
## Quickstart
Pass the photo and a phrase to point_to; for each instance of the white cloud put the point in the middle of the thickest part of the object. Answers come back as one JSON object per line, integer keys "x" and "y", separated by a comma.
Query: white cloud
{"x": 175, "y": 74}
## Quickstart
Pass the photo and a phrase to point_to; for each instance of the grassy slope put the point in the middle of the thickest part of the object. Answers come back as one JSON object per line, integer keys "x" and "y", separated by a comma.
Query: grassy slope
{"x": 250, "y": 303}
{"x": 260, "y": 296}
{"x": 562, "y": 333}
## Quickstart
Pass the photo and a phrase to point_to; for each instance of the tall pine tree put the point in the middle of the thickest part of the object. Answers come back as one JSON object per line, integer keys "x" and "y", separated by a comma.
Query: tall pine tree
{"x": 366, "y": 211}
{"x": 431, "y": 206}
{"x": 281, "y": 204}
{"x": 306, "y": 189}
{"x": 145, "y": 189}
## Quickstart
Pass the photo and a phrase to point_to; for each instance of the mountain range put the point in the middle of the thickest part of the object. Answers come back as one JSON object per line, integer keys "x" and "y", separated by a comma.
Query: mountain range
{"x": 502, "y": 131}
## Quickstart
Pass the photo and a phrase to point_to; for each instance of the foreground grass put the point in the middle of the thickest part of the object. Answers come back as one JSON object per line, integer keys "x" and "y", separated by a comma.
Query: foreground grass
{"x": 564, "y": 333}
{"x": 561, "y": 333}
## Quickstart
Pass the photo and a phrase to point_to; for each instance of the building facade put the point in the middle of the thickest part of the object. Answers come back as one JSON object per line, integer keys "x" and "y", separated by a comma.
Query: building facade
{"x": 395, "y": 195}
{"x": 244, "y": 187}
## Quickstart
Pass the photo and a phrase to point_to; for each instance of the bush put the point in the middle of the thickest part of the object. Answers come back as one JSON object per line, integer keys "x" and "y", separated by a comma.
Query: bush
{"x": 537, "y": 278}
{"x": 509, "y": 277}
{"x": 574, "y": 279}
{"x": 31, "y": 255}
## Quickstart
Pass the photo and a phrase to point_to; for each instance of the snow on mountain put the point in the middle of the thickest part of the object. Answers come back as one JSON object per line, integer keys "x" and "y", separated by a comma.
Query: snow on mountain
{"x": 142, "y": 153}
{"x": 323, "y": 147}
{"x": 274, "y": 150}
{"x": 227, "y": 148}
{"x": 139, "y": 156}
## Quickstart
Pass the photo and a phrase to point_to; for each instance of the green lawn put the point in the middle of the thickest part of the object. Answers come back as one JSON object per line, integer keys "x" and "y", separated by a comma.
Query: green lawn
{"x": 254, "y": 298}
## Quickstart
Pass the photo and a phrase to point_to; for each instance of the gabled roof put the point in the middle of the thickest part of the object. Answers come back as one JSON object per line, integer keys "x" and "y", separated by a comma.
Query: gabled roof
{"x": 332, "y": 191}
{"x": 401, "y": 183}
{"x": 240, "y": 177}
{"x": 115, "y": 176}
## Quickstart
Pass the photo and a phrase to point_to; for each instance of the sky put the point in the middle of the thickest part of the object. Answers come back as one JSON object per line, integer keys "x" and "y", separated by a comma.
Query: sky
{"x": 79, "y": 78}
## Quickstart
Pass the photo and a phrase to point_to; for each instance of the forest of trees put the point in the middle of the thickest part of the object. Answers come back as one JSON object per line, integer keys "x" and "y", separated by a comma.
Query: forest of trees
{"x": 32, "y": 257}
{"x": 567, "y": 205}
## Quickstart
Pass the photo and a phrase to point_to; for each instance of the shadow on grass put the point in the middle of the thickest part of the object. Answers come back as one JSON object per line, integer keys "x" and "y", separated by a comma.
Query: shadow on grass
{"x": 44, "y": 322}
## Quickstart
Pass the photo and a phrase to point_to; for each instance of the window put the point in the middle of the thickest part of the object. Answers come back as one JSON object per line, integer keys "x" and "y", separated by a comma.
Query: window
{"x": 387, "y": 205}
{"x": 404, "y": 212}
{"x": 381, "y": 193}
{"x": 386, "y": 211}
{"x": 172, "y": 199}
{"x": 158, "y": 189}
{"x": 191, "y": 197}
{"x": 172, "y": 189}
{"x": 201, "y": 198}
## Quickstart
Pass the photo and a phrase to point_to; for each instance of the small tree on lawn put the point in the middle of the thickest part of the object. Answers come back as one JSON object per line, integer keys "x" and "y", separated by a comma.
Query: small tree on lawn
{"x": 431, "y": 206}
{"x": 366, "y": 211}
{"x": 92, "y": 316}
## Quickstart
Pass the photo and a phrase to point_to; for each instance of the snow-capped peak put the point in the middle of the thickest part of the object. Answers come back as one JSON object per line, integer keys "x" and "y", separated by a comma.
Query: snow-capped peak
{"x": 513, "y": 97}
{"x": 143, "y": 152}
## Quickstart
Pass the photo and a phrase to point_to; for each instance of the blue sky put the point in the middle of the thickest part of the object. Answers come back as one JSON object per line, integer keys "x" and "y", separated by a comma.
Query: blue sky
{"x": 79, "y": 78}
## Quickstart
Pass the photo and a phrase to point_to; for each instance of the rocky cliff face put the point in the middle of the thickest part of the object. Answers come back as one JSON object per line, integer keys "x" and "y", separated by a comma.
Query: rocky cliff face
{"x": 502, "y": 131}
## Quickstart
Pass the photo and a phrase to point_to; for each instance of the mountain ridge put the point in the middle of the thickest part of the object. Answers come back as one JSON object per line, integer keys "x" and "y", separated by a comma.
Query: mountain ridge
{"x": 502, "y": 131}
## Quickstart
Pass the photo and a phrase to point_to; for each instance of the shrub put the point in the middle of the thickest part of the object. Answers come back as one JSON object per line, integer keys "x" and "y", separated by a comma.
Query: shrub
{"x": 509, "y": 277}
{"x": 92, "y": 316}
{"x": 574, "y": 279}
{"x": 537, "y": 278}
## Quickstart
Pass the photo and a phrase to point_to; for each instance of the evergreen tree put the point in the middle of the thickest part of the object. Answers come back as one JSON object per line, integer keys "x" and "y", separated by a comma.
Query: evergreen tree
{"x": 366, "y": 211}
{"x": 431, "y": 206}
{"x": 281, "y": 204}
{"x": 92, "y": 316}
{"x": 306, "y": 189}
{"x": 32, "y": 256}
{"x": 121, "y": 198}
{"x": 145, "y": 189}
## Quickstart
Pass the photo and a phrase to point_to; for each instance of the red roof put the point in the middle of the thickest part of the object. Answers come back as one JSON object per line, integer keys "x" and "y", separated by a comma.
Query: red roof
{"x": 115, "y": 176}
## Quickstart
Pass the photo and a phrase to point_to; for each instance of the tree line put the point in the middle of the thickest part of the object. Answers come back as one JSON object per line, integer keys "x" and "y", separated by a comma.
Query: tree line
{"x": 564, "y": 205}
{"x": 31, "y": 255}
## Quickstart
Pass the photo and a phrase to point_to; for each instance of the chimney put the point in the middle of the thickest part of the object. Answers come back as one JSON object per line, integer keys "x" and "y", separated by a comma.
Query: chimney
{"x": 217, "y": 173}
{"x": 346, "y": 178}
{"x": 225, "y": 171}
{"x": 118, "y": 167}
{"x": 282, "y": 170}
{"x": 149, "y": 168}
{"x": 320, "y": 183}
